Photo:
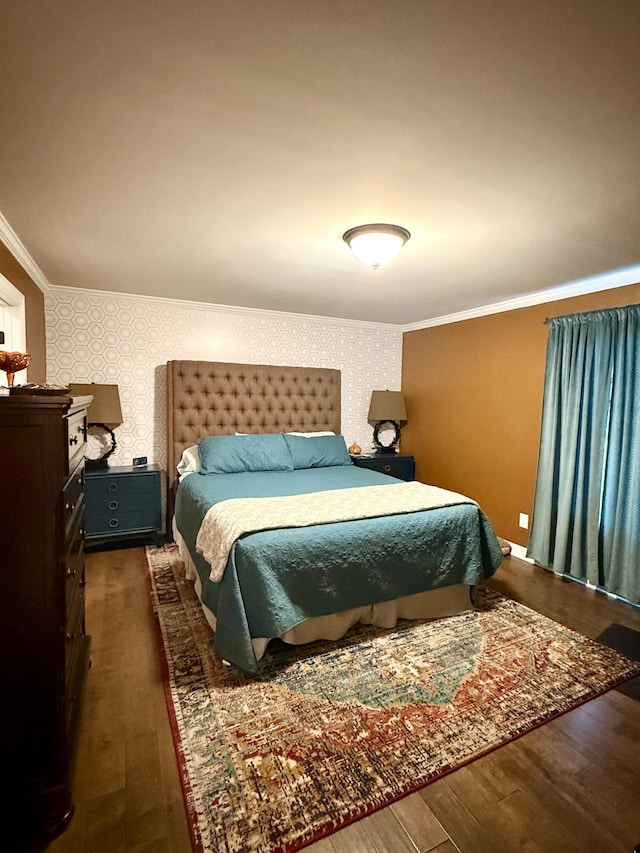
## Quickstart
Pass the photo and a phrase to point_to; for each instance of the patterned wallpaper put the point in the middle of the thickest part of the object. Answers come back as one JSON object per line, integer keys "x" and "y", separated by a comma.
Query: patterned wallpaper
{"x": 94, "y": 336}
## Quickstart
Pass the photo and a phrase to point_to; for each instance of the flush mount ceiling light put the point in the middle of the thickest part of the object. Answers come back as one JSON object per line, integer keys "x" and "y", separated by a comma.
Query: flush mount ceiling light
{"x": 376, "y": 245}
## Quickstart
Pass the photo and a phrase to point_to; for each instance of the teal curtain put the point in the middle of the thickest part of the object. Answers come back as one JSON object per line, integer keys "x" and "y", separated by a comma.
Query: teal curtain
{"x": 586, "y": 518}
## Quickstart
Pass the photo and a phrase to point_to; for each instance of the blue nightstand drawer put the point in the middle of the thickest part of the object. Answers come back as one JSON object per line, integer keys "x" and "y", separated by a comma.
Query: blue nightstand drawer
{"x": 120, "y": 521}
{"x": 394, "y": 464}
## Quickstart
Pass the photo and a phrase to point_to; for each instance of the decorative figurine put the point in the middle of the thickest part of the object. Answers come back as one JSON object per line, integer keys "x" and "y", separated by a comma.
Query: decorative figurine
{"x": 12, "y": 362}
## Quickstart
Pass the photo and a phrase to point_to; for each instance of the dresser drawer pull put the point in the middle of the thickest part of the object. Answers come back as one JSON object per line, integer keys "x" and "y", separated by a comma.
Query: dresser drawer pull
{"x": 113, "y": 522}
{"x": 113, "y": 504}
{"x": 71, "y": 636}
{"x": 73, "y": 439}
{"x": 112, "y": 487}
{"x": 387, "y": 468}
{"x": 68, "y": 507}
{"x": 71, "y": 572}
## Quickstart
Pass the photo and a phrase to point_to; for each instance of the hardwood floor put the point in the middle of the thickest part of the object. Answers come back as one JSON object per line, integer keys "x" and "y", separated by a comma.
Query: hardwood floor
{"x": 571, "y": 785}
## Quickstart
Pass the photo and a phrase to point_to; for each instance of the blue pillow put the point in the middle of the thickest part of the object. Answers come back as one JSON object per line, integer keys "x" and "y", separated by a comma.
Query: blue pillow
{"x": 234, "y": 454}
{"x": 318, "y": 452}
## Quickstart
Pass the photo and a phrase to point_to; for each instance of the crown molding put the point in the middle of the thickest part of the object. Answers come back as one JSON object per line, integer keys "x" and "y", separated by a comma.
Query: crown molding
{"x": 593, "y": 284}
{"x": 14, "y": 244}
{"x": 225, "y": 309}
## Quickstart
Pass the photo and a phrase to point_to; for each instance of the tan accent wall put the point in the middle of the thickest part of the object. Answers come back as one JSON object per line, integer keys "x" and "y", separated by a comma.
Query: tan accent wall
{"x": 34, "y": 314}
{"x": 474, "y": 401}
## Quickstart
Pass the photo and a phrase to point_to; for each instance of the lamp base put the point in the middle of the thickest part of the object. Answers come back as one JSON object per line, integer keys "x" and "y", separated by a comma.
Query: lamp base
{"x": 393, "y": 443}
{"x": 95, "y": 464}
{"x": 102, "y": 462}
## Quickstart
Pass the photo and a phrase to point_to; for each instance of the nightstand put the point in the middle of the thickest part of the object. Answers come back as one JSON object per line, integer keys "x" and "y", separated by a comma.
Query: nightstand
{"x": 395, "y": 464}
{"x": 124, "y": 503}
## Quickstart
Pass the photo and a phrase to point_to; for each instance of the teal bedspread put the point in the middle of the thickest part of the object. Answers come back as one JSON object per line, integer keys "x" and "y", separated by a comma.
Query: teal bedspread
{"x": 275, "y": 579}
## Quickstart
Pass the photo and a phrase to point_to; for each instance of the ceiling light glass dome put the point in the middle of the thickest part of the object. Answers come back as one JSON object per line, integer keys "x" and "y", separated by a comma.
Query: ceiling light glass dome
{"x": 376, "y": 245}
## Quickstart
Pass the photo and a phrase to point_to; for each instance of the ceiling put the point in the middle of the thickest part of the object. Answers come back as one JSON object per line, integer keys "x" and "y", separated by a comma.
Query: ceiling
{"x": 216, "y": 150}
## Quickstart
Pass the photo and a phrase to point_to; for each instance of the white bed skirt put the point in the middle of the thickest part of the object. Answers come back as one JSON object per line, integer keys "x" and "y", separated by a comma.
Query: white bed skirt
{"x": 433, "y": 604}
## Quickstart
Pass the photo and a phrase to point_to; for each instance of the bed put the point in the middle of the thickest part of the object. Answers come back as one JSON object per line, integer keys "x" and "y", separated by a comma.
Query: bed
{"x": 315, "y": 544}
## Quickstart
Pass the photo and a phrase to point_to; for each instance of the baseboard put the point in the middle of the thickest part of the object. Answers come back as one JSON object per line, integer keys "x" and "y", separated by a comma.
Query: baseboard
{"x": 520, "y": 552}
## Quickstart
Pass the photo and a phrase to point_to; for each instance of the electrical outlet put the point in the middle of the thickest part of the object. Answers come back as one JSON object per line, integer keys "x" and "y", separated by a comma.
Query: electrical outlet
{"x": 524, "y": 520}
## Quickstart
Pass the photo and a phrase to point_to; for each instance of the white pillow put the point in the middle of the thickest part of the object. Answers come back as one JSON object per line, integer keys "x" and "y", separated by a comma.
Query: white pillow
{"x": 303, "y": 434}
{"x": 311, "y": 434}
{"x": 189, "y": 462}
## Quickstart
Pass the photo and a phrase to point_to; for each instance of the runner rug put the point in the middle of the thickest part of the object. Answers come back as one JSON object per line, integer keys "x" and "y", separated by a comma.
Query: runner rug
{"x": 330, "y": 732}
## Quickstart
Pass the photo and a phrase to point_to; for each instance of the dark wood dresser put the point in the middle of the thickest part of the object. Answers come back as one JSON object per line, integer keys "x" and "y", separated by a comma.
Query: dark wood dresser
{"x": 43, "y": 645}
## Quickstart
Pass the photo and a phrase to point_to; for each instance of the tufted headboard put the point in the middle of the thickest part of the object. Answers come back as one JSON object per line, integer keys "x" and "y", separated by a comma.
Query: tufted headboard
{"x": 215, "y": 398}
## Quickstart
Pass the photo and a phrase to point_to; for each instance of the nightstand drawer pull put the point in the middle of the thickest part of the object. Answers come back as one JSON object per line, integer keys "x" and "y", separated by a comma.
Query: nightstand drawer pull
{"x": 113, "y": 504}
{"x": 71, "y": 572}
{"x": 387, "y": 468}
{"x": 112, "y": 487}
{"x": 113, "y": 522}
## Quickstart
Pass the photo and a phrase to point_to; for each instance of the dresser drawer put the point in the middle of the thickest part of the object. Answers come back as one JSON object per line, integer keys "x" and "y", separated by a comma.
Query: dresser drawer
{"x": 74, "y": 630}
{"x": 74, "y": 567}
{"x": 76, "y": 438}
{"x": 72, "y": 501}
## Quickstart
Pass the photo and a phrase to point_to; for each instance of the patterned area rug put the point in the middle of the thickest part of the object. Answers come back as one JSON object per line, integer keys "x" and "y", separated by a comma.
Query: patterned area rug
{"x": 330, "y": 732}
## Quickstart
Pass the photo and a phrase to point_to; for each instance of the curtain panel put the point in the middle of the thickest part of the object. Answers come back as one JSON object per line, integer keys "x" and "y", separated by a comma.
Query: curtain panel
{"x": 586, "y": 517}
